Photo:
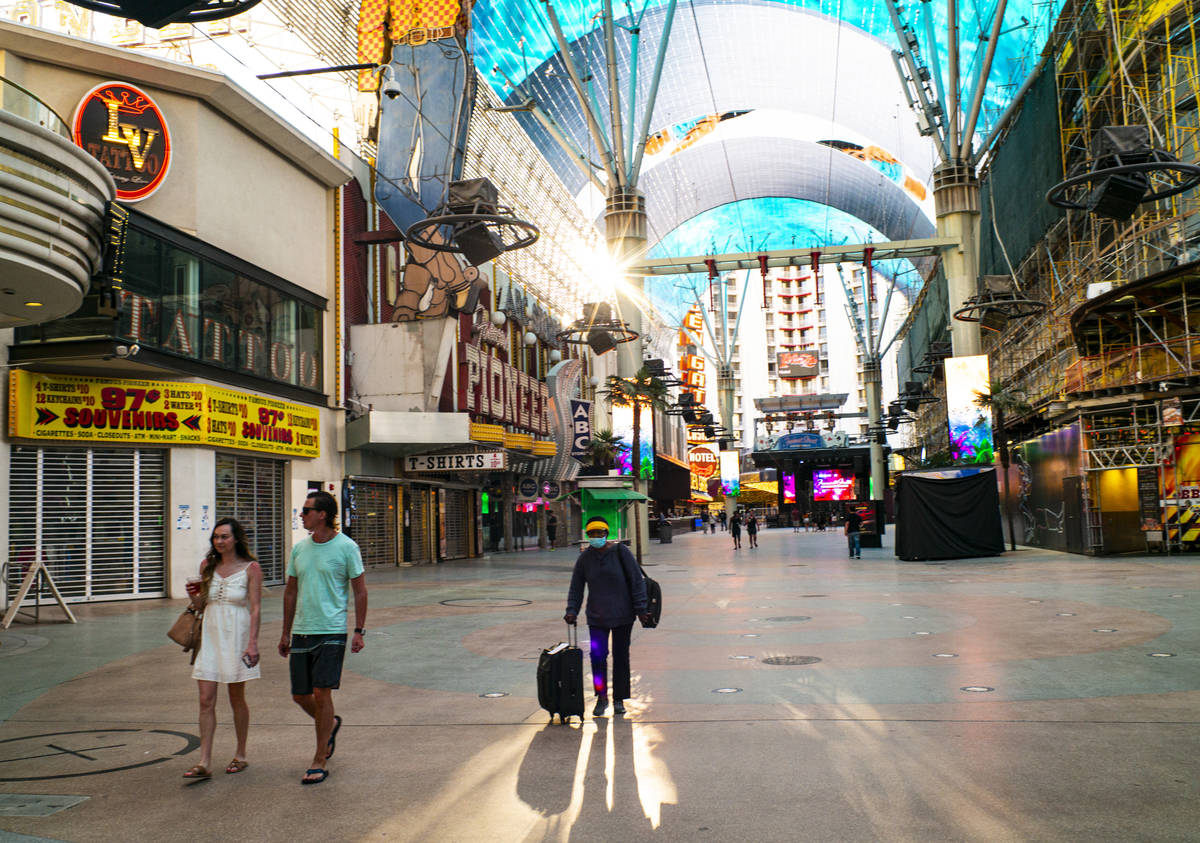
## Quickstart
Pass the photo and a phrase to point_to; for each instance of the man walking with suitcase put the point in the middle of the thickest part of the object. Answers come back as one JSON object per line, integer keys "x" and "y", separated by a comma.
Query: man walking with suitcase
{"x": 616, "y": 595}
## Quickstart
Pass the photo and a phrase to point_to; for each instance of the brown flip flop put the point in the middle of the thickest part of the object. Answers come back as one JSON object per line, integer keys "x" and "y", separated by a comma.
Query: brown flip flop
{"x": 236, "y": 766}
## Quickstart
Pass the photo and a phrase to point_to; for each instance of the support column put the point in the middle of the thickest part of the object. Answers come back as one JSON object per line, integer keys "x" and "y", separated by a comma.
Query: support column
{"x": 725, "y": 397}
{"x": 956, "y": 200}
{"x": 873, "y": 385}
{"x": 625, "y": 231}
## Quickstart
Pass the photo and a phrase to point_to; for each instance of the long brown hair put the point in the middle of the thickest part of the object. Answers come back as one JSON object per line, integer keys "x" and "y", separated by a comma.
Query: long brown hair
{"x": 212, "y": 559}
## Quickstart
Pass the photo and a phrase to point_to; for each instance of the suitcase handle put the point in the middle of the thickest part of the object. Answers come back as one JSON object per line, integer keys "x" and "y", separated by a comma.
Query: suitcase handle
{"x": 572, "y": 631}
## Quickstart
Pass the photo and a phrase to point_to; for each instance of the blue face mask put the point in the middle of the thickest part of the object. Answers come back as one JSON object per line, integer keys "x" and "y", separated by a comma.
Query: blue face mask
{"x": 598, "y": 541}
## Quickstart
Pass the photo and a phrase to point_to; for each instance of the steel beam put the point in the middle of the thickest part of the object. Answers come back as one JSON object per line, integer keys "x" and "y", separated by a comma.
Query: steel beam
{"x": 799, "y": 257}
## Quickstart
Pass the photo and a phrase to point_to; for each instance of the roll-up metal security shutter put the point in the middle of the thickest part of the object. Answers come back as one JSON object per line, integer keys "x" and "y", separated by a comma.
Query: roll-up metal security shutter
{"x": 373, "y": 521}
{"x": 250, "y": 489}
{"x": 96, "y": 517}
{"x": 458, "y": 523}
{"x": 418, "y": 548}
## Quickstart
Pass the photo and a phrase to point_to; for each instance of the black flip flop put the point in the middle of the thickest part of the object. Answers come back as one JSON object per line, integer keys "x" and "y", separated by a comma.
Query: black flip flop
{"x": 337, "y": 724}
{"x": 314, "y": 771}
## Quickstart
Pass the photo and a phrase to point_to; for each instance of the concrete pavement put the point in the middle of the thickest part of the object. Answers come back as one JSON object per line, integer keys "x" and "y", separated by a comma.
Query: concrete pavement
{"x": 1032, "y": 696}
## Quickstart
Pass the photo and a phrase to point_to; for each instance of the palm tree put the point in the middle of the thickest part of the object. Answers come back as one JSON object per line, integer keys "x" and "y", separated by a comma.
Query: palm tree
{"x": 604, "y": 448}
{"x": 643, "y": 390}
{"x": 1011, "y": 402}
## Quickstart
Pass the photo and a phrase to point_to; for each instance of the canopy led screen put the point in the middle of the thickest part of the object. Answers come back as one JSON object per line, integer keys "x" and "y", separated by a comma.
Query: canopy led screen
{"x": 970, "y": 426}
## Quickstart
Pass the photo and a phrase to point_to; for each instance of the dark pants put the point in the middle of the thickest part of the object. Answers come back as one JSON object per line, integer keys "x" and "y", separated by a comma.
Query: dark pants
{"x": 620, "y": 657}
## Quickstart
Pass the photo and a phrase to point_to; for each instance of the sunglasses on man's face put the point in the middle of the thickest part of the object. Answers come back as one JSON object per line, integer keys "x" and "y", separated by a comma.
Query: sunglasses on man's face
{"x": 304, "y": 510}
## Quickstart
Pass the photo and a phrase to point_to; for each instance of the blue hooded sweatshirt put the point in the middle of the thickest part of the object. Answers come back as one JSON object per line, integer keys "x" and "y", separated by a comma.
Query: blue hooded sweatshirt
{"x": 615, "y": 587}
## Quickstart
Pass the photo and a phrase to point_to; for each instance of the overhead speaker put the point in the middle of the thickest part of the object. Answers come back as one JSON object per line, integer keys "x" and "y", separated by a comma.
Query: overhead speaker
{"x": 477, "y": 243}
{"x": 912, "y": 395}
{"x": 1118, "y": 196}
{"x": 600, "y": 341}
{"x": 993, "y": 319}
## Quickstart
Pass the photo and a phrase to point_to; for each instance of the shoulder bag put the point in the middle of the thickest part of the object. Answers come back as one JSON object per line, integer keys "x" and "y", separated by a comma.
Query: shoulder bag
{"x": 186, "y": 631}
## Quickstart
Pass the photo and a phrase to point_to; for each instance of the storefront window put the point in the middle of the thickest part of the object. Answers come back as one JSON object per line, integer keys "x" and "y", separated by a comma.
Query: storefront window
{"x": 184, "y": 300}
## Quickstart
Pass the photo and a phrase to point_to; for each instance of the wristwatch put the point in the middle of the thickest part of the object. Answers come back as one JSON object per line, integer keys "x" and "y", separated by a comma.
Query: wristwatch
{"x": 359, "y": 630}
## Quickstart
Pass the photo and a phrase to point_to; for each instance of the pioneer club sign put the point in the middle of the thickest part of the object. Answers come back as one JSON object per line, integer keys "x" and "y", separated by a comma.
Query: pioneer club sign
{"x": 122, "y": 128}
{"x": 498, "y": 391}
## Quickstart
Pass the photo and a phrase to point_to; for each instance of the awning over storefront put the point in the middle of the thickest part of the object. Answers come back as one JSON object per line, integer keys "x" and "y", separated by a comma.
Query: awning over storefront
{"x": 402, "y": 433}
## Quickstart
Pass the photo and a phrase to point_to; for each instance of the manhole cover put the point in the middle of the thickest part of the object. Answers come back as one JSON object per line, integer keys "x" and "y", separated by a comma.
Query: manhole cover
{"x": 727, "y": 690}
{"x": 34, "y": 805}
{"x": 790, "y": 619}
{"x": 790, "y": 660}
{"x": 741, "y": 658}
{"x": 814, "y": 595}
{"x": 484, "y": 602}
{"x": 977, "y": 689}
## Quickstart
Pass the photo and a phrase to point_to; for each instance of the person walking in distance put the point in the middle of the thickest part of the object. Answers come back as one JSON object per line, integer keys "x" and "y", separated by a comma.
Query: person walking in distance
{"x": 229, "y": 592}
{"x": 735, "y": 530}
{"x": 795, "y": 520}
{"x": 551, "y": 530}
{"x": 616, "y": 594}
{"x": 723, "y": 518}
{"x": 853, "y": 529}
{"x": 322, "y": 572}
{"x": 752, "y": 529}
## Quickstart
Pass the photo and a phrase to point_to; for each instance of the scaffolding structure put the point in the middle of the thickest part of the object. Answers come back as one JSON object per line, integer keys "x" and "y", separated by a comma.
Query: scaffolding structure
{"x": 1114, "y": 340}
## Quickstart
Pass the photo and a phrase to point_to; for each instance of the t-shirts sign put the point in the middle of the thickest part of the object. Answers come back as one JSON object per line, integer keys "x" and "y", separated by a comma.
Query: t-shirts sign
{"x": 475, "y": 461}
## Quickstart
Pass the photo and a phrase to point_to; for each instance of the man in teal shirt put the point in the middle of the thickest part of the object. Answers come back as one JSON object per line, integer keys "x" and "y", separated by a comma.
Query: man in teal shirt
{"x": 321, "y": 573}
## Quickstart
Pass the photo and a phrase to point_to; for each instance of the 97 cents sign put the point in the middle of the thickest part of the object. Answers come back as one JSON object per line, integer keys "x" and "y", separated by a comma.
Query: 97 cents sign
{"x": 70, "y": 408}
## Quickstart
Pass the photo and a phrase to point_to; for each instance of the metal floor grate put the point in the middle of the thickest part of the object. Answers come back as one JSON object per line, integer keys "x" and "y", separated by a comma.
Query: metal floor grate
{"x": 35, "y": 805}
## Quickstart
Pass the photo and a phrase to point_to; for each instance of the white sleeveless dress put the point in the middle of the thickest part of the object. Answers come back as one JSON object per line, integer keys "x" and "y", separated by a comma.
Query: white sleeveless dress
{"x": 226, "y": 631}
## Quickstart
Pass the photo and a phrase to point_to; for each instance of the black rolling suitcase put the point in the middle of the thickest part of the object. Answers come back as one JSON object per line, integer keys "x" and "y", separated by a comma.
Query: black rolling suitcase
{"x": 560, "y": 678}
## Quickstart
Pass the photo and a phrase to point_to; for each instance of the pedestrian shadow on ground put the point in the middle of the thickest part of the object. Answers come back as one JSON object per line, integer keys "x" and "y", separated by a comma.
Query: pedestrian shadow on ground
{"x": 548, "y": 781}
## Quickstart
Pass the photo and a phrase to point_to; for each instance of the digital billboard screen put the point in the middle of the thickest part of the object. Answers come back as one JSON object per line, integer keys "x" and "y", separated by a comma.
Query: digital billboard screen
{"x": 970, "y": 426}
{"x": 731, "y": 477}
{"x": 831, "y": 484}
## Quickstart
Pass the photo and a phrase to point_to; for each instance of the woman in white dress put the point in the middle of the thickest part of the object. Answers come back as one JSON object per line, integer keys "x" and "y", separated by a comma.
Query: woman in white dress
{"x": 230, "y": 591}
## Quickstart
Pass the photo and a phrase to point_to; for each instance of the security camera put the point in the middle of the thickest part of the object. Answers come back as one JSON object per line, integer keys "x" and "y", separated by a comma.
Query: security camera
{"x": 128, "y": 350}
{"x": 391, "y": 89}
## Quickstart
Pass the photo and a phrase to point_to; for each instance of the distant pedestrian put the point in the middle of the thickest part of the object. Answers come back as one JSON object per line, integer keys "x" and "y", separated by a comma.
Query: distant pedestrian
{"x": 735, "y": 530}
{"x": 808, "y": 522}
{"x": 322, "y": 572}
{"x": 229, "y": 592}
{"x": 723, "y": 518}
{"x": 752, "y": 529}
{"x": 712, "y": 524}
{"x": 551, "y": 529}
{"x": 795, "y": 520}
{"x": 705, "y": 520}
{"x": 616, "y": 594}
{"x": 852, "y": 530}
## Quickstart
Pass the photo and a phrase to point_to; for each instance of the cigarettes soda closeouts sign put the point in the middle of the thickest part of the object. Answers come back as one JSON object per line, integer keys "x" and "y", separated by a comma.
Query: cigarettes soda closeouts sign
{"x": 74, "y": 408}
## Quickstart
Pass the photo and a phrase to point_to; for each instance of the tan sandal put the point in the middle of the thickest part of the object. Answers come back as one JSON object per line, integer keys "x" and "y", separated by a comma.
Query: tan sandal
{"x": 198, "y": 772}
{"x": 236, "y": 766}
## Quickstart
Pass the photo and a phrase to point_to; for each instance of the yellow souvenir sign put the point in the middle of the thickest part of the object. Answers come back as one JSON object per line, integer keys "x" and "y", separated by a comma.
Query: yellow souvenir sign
{"x": 76, "y": 408}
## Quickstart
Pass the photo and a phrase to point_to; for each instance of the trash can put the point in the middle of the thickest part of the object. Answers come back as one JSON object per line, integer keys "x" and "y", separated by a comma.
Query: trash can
{"x": 664, "y": 533}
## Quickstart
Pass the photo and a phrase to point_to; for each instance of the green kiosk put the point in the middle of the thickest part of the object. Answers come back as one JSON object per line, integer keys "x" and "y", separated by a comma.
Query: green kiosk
{"x": 609, "y": 498}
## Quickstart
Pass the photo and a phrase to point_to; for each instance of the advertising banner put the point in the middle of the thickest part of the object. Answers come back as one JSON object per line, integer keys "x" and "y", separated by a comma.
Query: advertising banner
{"x": 76, "y": 408}
{"x": 581, "y": 429}
{"x": 970, "y": 425}
{"x": 796, "y": 364}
